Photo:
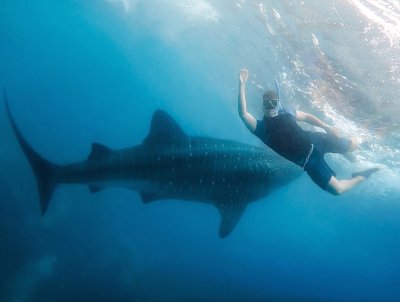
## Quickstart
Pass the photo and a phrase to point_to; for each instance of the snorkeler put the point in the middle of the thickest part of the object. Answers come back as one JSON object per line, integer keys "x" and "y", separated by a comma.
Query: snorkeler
{"x": 279, "y": 131}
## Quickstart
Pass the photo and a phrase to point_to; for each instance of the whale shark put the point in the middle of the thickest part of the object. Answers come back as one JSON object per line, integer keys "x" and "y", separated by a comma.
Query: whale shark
{"x": 170, "y": 164}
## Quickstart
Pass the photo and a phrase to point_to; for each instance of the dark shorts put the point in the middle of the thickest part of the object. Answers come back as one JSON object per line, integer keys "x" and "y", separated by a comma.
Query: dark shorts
{"x": 327, "y": 143}
{"x": 316, "y": 167}
{"x": 318, "y": 170}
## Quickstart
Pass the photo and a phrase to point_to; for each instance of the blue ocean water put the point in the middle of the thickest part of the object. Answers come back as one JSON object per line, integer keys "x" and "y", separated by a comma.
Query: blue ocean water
{"x": 78, "y": 72}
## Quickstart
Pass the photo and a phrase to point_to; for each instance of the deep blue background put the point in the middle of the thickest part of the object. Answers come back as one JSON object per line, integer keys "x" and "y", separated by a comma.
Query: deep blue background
{"x": 82, "y": 72}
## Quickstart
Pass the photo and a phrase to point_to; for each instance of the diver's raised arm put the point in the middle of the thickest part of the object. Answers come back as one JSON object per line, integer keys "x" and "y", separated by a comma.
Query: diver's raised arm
{"x": 246, "y": 117}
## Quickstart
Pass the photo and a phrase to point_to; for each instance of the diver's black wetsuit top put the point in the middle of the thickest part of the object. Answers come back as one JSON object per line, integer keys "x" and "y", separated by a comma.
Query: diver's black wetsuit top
{"x": 283, "y": 135}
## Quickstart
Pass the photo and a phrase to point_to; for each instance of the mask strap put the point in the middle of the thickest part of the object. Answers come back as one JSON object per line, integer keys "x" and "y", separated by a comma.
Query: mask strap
{"x": 277, "y": 89}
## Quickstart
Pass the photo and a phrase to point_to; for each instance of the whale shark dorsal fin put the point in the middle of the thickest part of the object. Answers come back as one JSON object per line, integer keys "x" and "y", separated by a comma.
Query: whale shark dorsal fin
{"x": 163, "y": 129}
{"x": 231, "y": 212}
{"x": 99, "y": 151}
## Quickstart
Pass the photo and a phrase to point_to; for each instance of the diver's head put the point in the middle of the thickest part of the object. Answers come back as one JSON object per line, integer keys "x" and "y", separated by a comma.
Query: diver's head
{"x": 270, "y": 103}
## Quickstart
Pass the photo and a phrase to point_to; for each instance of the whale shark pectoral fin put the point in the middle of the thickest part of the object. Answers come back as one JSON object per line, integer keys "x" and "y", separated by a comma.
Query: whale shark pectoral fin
{"x": 99, "y": 151}
{"x": 231, "y": 212}
{"x": 163, "y": 130}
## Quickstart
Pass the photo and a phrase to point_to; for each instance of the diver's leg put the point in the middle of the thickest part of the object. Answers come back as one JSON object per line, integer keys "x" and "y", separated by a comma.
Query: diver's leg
{"x": 365, "y": 173}
{"x": 353, "y": 146}
{"x": 350, "y": 157}
{"x": 333, "y": 144}
{"x": 329, "y": 143}
{"x": 337, "y": 187}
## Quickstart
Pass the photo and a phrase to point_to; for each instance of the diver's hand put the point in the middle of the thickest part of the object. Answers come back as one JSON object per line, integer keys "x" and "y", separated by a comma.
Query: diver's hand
{"x": 243, "y": 75}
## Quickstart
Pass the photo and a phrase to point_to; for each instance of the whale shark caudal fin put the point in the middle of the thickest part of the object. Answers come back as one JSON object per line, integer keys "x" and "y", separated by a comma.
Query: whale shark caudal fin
{"x": 44, "y": 170}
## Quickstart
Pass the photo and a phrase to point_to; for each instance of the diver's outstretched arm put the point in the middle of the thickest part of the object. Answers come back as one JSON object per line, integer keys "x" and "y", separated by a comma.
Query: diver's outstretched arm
{"x": 313, "y": 120}
{"x": 246, "y": 117}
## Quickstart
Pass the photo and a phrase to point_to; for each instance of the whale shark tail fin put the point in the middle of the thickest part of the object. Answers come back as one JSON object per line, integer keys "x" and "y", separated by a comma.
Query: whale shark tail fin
{"x": 44, "y": 170}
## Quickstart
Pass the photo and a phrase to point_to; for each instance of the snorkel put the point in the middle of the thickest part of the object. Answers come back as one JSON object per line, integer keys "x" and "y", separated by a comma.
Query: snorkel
{"x": 278, "y": 91}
